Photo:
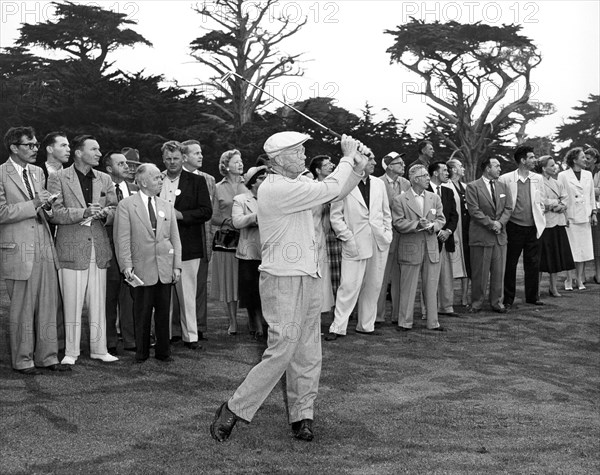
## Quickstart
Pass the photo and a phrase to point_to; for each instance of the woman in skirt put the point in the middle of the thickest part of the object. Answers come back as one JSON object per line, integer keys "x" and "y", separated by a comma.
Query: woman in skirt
{"x": 555, "y": 251}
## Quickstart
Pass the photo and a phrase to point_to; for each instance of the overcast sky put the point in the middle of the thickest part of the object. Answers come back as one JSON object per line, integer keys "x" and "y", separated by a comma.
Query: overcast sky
{"x": 345, "y": 46}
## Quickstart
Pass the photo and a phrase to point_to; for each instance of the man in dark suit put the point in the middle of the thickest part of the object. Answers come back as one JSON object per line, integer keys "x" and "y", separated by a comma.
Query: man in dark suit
{"x": 28, "y": 260}
{"x": 54, "y": 153}
{"x": 119, "y": 302}
{"x": 147, "y": 245}
{"x": 85, "y": 205}
{"x": 189, "y": 195}
{"x": 490, "y": 204}
{"x": 438, "y": 171}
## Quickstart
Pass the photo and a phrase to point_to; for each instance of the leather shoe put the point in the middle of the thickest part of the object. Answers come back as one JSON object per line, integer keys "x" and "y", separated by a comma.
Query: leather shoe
{"x": 501, "y": 309}
{"x": 537, "y": 302}
{"x": 223, "y": 423}
{"x": 367, "y": 333}
{"x": 302, "y": 430}
{"x": 449, "y": 314}
{"x": 29, "y": 371}
{"x": 192, "y": 345}
{"x": 165, "y": 359}
{"x": 403, "y": 329}
{"x": 58, "y": 367}
{"x": 332, "y": 336}
{"x": 107, "y": 358}
{"x": 437, "y": 329}
{"x": 175, "y": 339}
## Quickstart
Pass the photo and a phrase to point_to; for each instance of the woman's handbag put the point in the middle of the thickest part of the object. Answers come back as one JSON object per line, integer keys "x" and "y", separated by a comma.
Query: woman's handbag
{"x": 226, "y": 240}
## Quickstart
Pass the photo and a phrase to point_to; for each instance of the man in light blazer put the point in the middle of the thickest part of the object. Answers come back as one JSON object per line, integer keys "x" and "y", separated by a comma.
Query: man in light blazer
{"x": 147, "y": 244}
{"x": 85, "y": 205}
{"x": 418, "y": 216}
{"x": 525, "y": 226}
{"x": 395, "y": 183}
{"x": 362, "y": 221}
{"x": 28, "y": 260}
{"x": 489, "y": 203}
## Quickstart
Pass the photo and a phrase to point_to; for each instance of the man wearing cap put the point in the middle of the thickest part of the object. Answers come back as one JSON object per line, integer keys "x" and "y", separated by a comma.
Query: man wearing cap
{"x": 362, "y": 221}
{"x": 290, "y": 288}
{"x": 395, "y": 184}
{"x": 189, "y": 195}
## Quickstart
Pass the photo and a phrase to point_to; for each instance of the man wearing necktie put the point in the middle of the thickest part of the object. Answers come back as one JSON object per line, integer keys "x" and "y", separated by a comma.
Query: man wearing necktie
{"x": 438, "y": 171}
{"x": 28, "y": 260}
{"x": 119, "y": 303}
{"x": 147, "y": 245}
{"x": 489, "y": 203}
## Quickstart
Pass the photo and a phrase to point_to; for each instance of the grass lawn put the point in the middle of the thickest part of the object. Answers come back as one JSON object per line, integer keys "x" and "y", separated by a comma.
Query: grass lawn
{"x": 515, "y": 393}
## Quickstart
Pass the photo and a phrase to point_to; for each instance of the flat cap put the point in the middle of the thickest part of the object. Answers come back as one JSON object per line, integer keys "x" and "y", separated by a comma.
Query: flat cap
{"x": 390, "y": 157}
{"x": 282, "y": 141}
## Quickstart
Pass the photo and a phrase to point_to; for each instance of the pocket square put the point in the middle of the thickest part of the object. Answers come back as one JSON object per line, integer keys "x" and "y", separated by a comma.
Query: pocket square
{"x": 502, "y": 195}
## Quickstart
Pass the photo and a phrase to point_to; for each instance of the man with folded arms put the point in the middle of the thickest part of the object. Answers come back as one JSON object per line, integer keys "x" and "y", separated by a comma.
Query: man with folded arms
{"x": 489, "y": 203}
{"x": 28, "y": 260}
{"x": 290, "y": 287}
{"x": 147, "y": 245}
{"x": 85, "y": 205}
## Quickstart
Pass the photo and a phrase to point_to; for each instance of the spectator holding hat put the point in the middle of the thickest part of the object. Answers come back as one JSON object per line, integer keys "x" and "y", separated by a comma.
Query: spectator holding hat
{"x": 290, "y": 288}
{"x": 244, "y": 217}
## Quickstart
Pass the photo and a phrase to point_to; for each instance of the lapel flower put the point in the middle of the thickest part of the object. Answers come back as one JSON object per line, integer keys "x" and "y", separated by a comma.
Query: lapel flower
{"x": 177, "y": 192}
{"x": 161, "y": 213}
{"x": 433, "y": 211}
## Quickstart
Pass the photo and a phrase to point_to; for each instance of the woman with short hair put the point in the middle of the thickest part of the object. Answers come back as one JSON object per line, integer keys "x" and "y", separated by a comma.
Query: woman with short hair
{"x": 224, "y": 285}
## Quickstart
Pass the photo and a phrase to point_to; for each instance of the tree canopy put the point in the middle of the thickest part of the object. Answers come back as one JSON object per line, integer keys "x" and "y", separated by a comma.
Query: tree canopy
{"x": 583, "y": 129}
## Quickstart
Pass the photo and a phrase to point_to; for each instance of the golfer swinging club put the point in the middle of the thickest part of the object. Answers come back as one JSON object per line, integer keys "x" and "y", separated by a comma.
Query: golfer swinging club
{"x": 290, "y": 287}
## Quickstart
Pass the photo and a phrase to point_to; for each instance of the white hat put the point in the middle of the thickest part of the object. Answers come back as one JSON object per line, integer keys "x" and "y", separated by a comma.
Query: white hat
{"x": 281, "y": 141}
{"x": 253, "y": 171}
{"x": 389, "y": 158}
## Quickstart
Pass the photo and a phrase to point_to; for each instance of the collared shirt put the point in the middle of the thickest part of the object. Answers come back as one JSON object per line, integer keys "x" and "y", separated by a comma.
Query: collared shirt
{"x": 53, "y": 168}
{"x": 436, "y": 189}
{"x": 487, "y": 182}
{"x": 124, "y": 189}
{"x": 169, "y": 189}
{"x": 145, "y": 197}
{"x": 365, "y": 189}
{"x": 420, "y": 199}
{"x": 85, "y": 181}
{"x": 19, "y": 169}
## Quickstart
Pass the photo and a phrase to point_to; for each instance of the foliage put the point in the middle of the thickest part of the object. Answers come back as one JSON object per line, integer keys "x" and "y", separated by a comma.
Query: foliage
{"x": 583, "y": 129}
{"x": 468, "y": 71}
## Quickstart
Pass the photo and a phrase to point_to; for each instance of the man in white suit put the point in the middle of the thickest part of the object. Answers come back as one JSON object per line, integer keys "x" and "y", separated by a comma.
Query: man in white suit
{"x": 362, "y": 221}
{"x": 525, "y": 226}
{"x": 418, "y": 216}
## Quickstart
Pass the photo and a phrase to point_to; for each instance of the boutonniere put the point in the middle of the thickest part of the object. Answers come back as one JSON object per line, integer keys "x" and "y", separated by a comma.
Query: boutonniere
{"x": 161, "y": 213}
{"x": 177, "y": 192}
{"x": 433, "y": 211}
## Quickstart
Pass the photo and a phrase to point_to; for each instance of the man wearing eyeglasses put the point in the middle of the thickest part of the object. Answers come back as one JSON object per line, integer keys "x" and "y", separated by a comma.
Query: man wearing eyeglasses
{"x": 28, "y": 260}
{"x": 395, "y": 184}
{"x": 418, "y": 216}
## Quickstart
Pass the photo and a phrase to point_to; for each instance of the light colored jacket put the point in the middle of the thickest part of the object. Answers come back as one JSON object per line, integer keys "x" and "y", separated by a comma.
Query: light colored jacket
{"x": 536, "y": 188}
{"x": 152, "y": 256}
{"x": 357, "y": 226}
{"x": 244, "y": 217}
{"x": 581, "y": 201}
{"x": 554, "y": 194}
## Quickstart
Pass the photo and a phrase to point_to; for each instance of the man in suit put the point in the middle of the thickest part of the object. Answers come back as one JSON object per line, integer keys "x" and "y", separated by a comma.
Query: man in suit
{"x": 192, "y": 162}
{"x": 189, "y": 195}
{"x": 85, "y": 205}
{"x": 290, "y": 287}
{"x": 438, "y": 172}
{"x": 525, "y": 226}
{"x": 426, "y": 152}
{"x": 395, "y": 183}
{"x": 418, "y": 216}
{"x": 362, "y": 221}
{"x": 147, "y": 244}
{"x": 28, "y": 260}
{"x": 489, "y": 203}
{"x": 119, "y": 303}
